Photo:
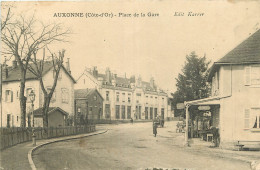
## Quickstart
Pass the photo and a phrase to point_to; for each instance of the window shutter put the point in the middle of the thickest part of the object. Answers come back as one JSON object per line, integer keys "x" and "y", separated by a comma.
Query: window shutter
{"x": 247, "y": 118}
{"x": 12, "y": 96}
{"x": 247, "y": 76}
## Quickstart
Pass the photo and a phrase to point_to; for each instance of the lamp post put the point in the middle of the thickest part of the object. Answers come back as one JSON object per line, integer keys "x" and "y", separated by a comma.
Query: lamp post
{"x": 32, "y": 98}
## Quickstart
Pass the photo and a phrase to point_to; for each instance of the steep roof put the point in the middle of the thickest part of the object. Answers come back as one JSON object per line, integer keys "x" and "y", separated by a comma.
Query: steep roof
{"x": 14, "y": 74}
{"x": 247, "y": 52}
{"x": 85, "y": 93}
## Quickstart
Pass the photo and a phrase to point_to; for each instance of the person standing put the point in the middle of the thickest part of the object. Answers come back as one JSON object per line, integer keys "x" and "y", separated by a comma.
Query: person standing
{"x": 154, "y": 129}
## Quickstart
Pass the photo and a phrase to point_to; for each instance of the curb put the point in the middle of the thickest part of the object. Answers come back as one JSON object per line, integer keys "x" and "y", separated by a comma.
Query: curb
{"x": 54, "y": 141}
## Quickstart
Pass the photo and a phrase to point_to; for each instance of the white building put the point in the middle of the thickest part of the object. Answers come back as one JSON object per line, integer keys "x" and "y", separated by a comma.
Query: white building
{"x": 63, "y": 96}
{"x": 235, "y": 101}
{"x": 125, "y": 98}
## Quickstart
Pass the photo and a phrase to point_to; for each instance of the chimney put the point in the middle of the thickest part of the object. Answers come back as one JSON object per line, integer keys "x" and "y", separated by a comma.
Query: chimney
{"x": 5, "y": 71}
{"x": 132, "y": 79}
{"x": 108, "y": 75}
{"x": 14, "y": 64}
{"x": 152, "y": 82}
{"x": 95, "y": 72}
{"x": 68, "y": 65}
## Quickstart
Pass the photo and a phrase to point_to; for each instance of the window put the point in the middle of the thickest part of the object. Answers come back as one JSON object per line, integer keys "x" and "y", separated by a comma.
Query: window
{"x": 138, "y": 97}
{"x": 79, "y": 110}
{"x": 107, "y": 95}
{"x": 252, "y": 118}
{"x": 53, "y": 98}
{"x": 95, "y": 97}
{"x": 107, "y": 111}
{"x": 65, "y": 95}
{"x": 123, "y": 112}
{"x": 123, "y": 97}
{"x": 90, "y": 110}
{"x": 128, "y": 112}
{"x": 255, "y": 75}
{"x": 17, "y": 118}
{"x": 17, "y": 94}
{"x": 28, "y": 91}
{"x": 117, "y": 111}
{"x": 256, "y": 118}
{"x": 129, "y": 98}
{"x": 252, "y": 75}
{"x": 8, "y": 96}
{"x": 117, "y": 96}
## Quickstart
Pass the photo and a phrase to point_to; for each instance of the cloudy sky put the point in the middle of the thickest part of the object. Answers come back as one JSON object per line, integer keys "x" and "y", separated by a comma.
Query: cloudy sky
{"x": 147, "y": 46}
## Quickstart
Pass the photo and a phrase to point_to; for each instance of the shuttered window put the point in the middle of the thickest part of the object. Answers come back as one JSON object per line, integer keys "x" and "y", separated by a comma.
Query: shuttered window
{"x": 8, "y": 96}
{"x": 247, "y": 118}
{"x": 247, "y": 76}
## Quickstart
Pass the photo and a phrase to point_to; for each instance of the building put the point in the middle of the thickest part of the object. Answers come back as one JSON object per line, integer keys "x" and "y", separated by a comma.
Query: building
{"x": 63, "y": 96}
{"x": 125, "y": 98}
{"x": 235, "y": 103}
{"x": 88, "y": 105}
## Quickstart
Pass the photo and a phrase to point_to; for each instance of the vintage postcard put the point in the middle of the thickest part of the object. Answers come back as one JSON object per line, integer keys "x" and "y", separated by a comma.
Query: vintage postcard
{"x": 114, "y": 84}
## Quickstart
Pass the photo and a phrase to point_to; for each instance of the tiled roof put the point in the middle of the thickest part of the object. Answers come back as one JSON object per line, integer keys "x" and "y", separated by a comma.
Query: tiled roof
{"x": 39, "y": 112}
{"x": 14, "y": 74}
{"x": 248, "y": 52}
{"x": 83, "y": 93}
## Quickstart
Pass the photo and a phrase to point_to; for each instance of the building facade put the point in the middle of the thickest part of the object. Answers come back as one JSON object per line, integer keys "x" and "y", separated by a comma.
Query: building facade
{"x": 88, "y": 105}
{"x": 63, "y": 96}
{"x": 125, "y": 98}
{"x": 235, "y": 100}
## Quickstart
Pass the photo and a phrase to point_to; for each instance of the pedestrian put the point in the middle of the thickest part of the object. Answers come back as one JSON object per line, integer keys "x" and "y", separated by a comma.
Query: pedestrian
{"x": 154, "y": 129}
{"x": 131, "y": 120}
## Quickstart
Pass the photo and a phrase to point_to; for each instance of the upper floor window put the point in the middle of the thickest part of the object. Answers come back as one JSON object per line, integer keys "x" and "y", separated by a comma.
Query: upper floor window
{"x": 107, "y": 95}
{"x": 65, "y": 95}
{"x": 8, "y": 96}
{"x": 117, "y": 96}
{"x": 95, "y": 97}
{"x": 123, "y": 97}
{"x": 252, "y": 75}
{"x": 28, "y": 91}
{"x": 129, "y": 97}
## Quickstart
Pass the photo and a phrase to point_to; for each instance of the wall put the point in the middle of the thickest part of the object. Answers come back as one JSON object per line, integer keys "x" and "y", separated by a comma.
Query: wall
{"x": 13, "y": 108}
{"x": 64, "y": 83}
{"x": 232, "y": 110}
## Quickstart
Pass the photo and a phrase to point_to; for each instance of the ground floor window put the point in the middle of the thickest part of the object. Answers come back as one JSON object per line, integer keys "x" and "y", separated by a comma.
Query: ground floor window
{"x": 252, "y": 118}
{"x": 123, "y": 112}
{"x": 155, "y": 112}
{"x": 107, "y": 111}
{"x": 117, "y": 111}
{"x": 256, "y": 118}
{"x": 151, "y": 113}
{"x": 146, "y": 112}
{"x": 128, "y": 112}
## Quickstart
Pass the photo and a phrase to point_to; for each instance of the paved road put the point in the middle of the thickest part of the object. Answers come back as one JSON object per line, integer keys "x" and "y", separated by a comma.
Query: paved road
{"x": 129, "y": 146}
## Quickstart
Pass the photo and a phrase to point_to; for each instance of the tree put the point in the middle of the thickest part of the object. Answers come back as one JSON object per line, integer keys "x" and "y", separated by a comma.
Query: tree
{"x": 192, "y": 82}
{"x": 37, "y": 68}
{"x": 24, "y": 37}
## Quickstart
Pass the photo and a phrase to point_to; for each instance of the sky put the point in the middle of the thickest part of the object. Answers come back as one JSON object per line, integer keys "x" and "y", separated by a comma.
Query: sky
{"x": 146, "y": 46}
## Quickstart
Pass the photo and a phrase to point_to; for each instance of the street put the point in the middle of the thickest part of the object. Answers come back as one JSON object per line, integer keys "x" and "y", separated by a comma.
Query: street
{"x": 130, "y": 146}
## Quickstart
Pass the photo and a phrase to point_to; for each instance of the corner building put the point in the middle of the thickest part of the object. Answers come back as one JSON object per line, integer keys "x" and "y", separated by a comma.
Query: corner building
{"x": 125, "y": 98}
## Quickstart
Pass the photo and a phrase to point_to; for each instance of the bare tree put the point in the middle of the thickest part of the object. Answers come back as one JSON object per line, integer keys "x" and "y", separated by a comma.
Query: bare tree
{"x": 6, "y": 19}
{"x": 21, "y": 39}
{"x": 37, "y": 68}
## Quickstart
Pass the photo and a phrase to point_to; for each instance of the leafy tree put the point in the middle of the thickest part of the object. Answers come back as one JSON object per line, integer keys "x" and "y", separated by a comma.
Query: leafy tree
{"x": 192, "y": 81}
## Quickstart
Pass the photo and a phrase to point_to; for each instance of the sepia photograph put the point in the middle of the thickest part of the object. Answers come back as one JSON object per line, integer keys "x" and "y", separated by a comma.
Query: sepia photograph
{"x": 130, "y": 85}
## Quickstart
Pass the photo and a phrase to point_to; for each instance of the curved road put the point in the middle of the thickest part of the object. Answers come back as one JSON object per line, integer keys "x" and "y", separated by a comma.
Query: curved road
{"x": 130, "y": 146}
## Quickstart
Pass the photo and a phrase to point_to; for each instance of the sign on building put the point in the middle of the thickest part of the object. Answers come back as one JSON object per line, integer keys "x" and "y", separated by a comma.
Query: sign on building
{"x": 180, "y": 106}
{"x": 204, "y": 107}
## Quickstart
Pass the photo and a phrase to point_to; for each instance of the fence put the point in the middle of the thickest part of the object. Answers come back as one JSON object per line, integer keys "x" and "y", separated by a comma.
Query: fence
{"x": 13, "y": 136}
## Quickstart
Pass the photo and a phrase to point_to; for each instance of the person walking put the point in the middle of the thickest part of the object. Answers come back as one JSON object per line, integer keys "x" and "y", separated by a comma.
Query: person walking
{"x": 154, "y": 128}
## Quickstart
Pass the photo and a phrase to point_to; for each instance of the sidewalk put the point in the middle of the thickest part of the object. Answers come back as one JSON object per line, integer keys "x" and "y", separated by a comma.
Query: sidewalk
{"x": 177, "y": 140}
{"x": 16, "y": 157}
